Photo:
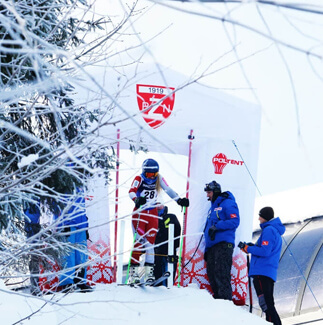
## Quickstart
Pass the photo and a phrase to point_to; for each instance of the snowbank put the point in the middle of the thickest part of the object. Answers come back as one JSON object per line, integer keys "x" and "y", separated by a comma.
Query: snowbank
{"x": 114, "y": 305}
{"x": 294, "y": 205}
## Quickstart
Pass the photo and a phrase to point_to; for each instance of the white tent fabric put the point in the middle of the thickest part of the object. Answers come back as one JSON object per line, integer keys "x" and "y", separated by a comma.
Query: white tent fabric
{"x": 97, "y": 211}
{"x": 234, "y": 178}
{"x": 225, "y": 149}
{"x": 207, "y": 111}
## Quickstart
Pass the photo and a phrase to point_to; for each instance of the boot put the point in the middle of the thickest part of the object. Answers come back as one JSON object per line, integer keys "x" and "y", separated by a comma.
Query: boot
{"x": 134, "y": 274}
{"x": 67, "y": 288}
{"x": 84, "y": 287}
{"x": 149, "y": 272}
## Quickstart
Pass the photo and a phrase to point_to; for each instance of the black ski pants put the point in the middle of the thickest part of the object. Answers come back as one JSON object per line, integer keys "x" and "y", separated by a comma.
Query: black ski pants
{"x": 218, "y": 268}
{"x": 161, "y": 266}
{"x": 264, "y": 287}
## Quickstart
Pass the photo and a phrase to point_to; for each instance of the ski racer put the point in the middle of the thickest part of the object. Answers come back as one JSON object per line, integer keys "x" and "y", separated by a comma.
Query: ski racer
{"x": 219, "y": 233}
{"x": 144, "y": 193}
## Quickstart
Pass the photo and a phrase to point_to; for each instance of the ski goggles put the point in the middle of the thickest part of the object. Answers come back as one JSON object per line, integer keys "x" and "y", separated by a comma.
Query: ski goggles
{"x": 151, "y": 175}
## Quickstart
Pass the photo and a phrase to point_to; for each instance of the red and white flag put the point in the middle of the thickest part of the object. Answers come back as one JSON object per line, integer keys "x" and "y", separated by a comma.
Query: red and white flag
{"x": 156, "y": 103}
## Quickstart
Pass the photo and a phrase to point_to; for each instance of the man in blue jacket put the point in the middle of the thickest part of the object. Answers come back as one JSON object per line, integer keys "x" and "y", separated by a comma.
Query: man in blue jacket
{"x": 74, "y": 223}
{"x": 265, "y": 256}
{"x": 219, "y": 233}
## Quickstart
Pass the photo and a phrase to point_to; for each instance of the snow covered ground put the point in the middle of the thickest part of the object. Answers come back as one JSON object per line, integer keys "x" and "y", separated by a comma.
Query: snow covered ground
{"x": 116, "y": 305}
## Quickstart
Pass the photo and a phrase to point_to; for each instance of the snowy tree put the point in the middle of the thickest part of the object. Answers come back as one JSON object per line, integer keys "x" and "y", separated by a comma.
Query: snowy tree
{"x": 39, "y": 121}
{"x": 46, "y": 152}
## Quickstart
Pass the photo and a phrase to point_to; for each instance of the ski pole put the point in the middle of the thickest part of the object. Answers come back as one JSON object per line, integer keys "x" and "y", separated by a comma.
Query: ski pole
{"x": 249, "y": 284}
{"x": 180, "y": 257}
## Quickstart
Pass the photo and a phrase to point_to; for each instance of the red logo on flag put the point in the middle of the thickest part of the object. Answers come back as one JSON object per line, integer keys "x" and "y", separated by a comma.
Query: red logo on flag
{"x": 233, "y": 215}
{"x": 265, "y": 243}
{"x": 156, "y": 104}
{"x": 220, "y": 160}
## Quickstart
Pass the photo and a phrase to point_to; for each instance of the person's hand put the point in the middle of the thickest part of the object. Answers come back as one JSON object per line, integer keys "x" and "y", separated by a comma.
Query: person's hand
{"x": 212, "y": 232}
{"x": 66, "y": 230}
{"x": 243, "y": 246}
{"x": 183, "y": 202}
{"x": 139, "y": 201}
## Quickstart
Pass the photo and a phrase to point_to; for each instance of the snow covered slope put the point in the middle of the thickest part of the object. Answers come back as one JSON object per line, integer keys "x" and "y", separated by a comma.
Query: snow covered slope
{"x": 114, "y": 305}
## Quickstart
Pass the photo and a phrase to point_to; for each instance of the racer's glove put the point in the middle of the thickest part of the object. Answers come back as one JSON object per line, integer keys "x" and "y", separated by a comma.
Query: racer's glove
{"x": 183, "y": 202}
{"x": 139, "y": 201}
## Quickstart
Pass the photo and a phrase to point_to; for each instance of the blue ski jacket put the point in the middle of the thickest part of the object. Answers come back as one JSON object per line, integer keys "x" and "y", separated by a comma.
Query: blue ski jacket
{"x": 32, "y": 218}
{"x": 224, "y": 215}
{"x": 265, "y": 253}
{"x": 76, "y": 215}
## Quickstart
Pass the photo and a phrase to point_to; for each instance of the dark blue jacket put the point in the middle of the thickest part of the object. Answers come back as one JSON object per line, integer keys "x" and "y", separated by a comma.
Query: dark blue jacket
{"x": 224, "y": 215}
{"x": 266, "y": 252}
{"x": 32, "y": 218}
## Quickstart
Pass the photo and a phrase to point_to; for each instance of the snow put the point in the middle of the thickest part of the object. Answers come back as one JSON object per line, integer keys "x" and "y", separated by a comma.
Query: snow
{"x": 293, "y": 205}
{"x": 25, "y": 161}
{"x": 112, "y": 304}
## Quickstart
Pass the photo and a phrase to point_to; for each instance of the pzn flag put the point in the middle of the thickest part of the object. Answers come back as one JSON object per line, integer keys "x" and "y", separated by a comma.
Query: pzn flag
{"x": 156, "y": 103}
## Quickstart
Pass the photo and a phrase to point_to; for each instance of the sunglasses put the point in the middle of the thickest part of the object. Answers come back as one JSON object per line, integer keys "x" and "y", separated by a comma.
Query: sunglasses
{"x": 150, "y": 175}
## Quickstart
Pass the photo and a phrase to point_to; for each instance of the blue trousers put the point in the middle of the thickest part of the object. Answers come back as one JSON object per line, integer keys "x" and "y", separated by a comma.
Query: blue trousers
{"x": 74, "y": 260}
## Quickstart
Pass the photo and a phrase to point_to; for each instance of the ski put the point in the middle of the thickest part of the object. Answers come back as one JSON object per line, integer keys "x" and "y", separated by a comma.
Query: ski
{"x": 161, "y": 279}
{"x": 154, "y": 283}
{"x": 132, "y": 285}
{"x": 149, "y": 283}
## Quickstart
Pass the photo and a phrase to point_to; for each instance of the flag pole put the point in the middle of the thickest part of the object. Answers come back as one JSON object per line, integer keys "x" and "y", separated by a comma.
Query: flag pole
{"x": 183, "y": 239}
{"x": 116, "y": 209}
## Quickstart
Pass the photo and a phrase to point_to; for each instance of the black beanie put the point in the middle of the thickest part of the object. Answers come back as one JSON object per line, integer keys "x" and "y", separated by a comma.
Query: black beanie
{"x": 266, "y": 213}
